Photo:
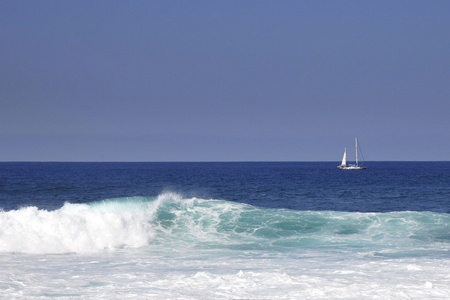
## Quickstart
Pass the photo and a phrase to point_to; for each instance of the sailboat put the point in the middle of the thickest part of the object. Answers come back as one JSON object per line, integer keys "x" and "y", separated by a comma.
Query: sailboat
{"x": 356, "y": 166}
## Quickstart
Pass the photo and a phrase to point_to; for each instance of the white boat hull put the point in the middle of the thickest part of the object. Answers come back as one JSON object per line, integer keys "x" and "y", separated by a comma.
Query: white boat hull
{"x": 351, "y": 168}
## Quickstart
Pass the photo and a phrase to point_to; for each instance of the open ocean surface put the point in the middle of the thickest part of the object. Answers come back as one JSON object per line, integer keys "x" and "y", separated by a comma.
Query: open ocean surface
{"x": 268, "y": 230}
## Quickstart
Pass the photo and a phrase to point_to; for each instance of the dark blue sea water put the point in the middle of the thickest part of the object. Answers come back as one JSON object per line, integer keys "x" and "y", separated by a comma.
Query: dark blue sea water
{"x": 258, "y": 230}
{"x": 383, "y": 187}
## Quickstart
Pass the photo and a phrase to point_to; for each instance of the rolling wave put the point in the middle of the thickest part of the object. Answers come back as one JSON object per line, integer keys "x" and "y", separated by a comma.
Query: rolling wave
{"x": 170, "y": 220}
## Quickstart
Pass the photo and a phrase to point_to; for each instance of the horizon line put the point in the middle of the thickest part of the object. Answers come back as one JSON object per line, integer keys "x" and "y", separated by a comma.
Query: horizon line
{"x": 209, "y": 161}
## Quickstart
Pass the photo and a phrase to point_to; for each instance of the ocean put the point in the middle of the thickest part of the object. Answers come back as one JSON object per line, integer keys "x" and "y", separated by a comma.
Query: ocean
{"x": 224, "y": 230}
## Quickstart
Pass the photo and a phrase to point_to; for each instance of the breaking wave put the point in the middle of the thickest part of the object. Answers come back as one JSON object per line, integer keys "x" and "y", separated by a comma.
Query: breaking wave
{"x": 170, "y": 220}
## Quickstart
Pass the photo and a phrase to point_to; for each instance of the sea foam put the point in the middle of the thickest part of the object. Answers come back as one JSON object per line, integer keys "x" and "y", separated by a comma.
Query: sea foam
{"x": 174, "y": 247}
{"x": 75, "y": 228}
{"x": 174, "y": 222}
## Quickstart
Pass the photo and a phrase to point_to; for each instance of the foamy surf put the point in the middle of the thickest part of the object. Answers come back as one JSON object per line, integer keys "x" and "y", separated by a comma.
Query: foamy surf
{"x": 174, "y": 247}
{"x": 174, "y": 222}
{"x": 74, "y": 228}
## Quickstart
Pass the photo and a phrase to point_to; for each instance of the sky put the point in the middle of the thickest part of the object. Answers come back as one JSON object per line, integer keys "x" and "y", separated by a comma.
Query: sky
{"x": 250, "y": 80}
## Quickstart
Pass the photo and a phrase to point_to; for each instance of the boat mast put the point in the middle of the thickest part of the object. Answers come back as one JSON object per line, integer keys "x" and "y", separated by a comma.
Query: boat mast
{"x": 356, "y": 148}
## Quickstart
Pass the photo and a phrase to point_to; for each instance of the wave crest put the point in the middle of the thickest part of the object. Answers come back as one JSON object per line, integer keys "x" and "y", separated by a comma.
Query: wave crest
{"x": 173, "y": 222}
{"x": 74, "y": 228}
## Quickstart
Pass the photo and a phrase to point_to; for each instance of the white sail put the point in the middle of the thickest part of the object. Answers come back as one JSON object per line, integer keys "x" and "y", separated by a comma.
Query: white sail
{"x": 343, "y": 165}
{"x": 344, "y": 158}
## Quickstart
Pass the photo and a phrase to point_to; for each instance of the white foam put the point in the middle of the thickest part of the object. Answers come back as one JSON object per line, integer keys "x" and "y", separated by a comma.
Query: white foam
{"x": 73, "y": 228}
{"x": 174, "y": 248}
{"x": 188, "y": 275}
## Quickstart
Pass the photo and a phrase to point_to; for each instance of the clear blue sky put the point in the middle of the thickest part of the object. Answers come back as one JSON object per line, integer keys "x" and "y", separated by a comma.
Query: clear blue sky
{"x": 224, "y": 80}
